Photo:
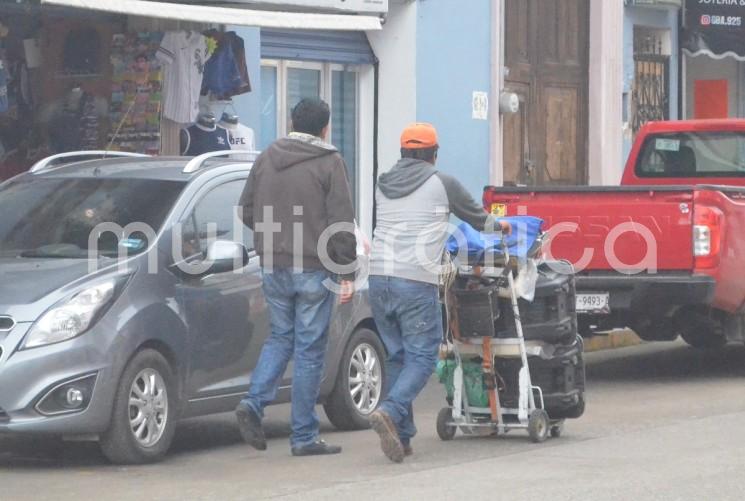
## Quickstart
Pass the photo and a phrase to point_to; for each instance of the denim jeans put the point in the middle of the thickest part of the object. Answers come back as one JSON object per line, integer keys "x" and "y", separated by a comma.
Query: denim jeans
{"x": 409, "y": 317}
{"x": 300, "y": 308}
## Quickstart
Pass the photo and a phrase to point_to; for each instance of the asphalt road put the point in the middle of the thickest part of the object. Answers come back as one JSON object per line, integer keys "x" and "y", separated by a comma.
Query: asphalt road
{"x": 663, "y": 422}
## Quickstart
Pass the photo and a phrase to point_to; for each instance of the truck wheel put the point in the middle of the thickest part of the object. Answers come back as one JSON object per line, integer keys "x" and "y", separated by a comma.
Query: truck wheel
{"x": 704, "y": 341}
{"x": 445, "y": 430}
{"x": 702, "y": 329}
{"x": 359, "y": 383}
{"x": 144, "y": 417}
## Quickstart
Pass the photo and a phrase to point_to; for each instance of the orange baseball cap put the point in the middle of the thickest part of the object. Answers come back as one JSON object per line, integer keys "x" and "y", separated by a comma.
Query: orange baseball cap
{"x": 419, "y": 136}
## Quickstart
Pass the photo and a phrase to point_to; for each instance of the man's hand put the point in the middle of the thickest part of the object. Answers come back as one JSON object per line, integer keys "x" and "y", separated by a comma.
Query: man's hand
{"x": 346, "y": 294}
{"x": 505, "y": 227}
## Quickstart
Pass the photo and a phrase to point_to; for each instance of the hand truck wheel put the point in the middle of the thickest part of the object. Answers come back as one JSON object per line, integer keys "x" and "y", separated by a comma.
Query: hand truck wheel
{"x": 538, "y": 426}
{"x": 557, "y": 429}
{"x": 445, "y": 430}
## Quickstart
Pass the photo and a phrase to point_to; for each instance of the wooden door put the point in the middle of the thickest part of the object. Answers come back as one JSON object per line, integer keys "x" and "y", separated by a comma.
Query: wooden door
{"x": 547, "y": 59}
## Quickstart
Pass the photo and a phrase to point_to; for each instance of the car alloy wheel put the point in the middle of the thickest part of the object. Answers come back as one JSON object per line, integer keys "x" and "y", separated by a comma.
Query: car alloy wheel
{"x": 148, "y": 407}
{"x": 365, "y": 378}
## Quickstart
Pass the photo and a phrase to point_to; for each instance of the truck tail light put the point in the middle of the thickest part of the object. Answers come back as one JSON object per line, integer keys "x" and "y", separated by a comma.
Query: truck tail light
{"x": 707, "y": 236}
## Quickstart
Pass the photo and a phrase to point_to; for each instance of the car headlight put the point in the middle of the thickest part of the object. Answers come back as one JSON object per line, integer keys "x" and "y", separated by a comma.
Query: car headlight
{"x": 73, "y": 316}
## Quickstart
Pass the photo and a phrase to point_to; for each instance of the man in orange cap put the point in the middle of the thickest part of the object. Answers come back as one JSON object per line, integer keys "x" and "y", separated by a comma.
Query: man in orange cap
{"x": 414, "y": 202}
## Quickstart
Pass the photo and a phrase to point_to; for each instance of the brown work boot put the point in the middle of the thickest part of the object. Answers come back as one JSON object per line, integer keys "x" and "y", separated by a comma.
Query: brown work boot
{"x": 408, "y": 450}
{"x": 390, "y": 444}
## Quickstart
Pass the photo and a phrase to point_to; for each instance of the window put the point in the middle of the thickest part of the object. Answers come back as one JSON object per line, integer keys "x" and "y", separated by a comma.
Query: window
{"x": 215, "y": 217}
{"x": 704, "y": 154}
{"x": 285, "y": 83}
{"x": 56, "y": 216}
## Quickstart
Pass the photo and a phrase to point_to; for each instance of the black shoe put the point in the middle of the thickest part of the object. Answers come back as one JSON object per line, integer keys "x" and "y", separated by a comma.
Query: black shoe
{"x": 250, "y": 425}
{"x": 319, "y": 448}
{"x": 390, "y": 443}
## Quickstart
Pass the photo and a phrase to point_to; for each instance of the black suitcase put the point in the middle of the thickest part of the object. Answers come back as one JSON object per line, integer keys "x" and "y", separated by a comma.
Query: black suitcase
{"x": 552, "y": 316}
{"x": 477, "y": 310}
{"x": 561, "y": 379}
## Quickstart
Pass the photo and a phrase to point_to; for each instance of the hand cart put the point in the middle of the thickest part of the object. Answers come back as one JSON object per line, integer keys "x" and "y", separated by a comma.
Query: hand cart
{"x": 470, "y": 418}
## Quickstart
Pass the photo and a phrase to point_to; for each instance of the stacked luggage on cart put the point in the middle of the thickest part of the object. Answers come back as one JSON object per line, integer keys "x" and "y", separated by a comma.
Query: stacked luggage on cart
{"x": 480, "y": 307}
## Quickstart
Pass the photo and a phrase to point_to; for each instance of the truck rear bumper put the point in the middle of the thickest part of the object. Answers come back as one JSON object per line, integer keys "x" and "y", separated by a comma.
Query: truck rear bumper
{"x": 633, "y": 292}
{"x": 635, "y": 296}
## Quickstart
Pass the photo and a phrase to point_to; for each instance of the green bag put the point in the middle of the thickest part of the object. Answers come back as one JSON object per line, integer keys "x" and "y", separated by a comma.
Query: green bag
{"x": 473, "y": 379}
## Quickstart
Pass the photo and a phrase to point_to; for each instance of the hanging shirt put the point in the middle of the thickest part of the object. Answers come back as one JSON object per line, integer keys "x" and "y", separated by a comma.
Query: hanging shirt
{"x": 239, "y": 51}
{"x": 184, "y": 54}
{"x": 221, "y": 75}
{"x": 197, "y": 140}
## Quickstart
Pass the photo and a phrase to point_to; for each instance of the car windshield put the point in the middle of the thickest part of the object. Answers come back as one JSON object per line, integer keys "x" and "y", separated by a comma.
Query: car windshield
{"x": 700, "y": 154}
{"x": 68, "y": 217}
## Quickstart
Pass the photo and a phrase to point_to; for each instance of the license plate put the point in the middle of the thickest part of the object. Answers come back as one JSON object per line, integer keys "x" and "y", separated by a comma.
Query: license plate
{"x": 593, "y": 303}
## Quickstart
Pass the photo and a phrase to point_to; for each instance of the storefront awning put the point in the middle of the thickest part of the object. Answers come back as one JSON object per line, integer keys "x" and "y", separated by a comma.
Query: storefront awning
{"x": 226, "y": 15}
{"x": 714, "y": 28}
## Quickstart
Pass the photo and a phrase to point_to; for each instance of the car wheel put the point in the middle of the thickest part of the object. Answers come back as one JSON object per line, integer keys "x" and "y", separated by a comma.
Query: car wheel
{"x": 144, "y": 415}
{"x": 359, "y": 383}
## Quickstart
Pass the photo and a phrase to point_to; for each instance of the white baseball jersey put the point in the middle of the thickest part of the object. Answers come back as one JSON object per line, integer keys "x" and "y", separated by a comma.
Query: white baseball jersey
{"x": 184, "y": 54}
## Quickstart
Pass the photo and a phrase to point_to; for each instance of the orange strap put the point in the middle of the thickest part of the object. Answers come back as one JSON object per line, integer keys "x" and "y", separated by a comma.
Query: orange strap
{"x": 454, "y": 322}
{"x": 489, "y": 371}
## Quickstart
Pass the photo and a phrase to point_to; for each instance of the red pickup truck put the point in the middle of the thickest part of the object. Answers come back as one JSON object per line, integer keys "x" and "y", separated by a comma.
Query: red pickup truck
{"x": 664, "y": 253}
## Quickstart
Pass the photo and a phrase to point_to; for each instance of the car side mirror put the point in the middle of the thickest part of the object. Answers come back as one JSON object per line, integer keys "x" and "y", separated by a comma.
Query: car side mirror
{"x": 226, "y": 256}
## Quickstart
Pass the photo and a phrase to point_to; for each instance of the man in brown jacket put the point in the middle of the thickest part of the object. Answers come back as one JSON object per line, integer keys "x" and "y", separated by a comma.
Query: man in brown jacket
{"x": 297, "y": 189}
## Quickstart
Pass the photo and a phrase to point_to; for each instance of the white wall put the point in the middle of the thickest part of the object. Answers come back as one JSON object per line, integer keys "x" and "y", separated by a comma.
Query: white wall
{"x": 606, "y": 90}
{"x": 395, "y": 47}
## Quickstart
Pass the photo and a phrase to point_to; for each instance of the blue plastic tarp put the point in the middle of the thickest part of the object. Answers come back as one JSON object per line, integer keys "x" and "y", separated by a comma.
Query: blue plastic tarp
{"x": 525, "y": 232}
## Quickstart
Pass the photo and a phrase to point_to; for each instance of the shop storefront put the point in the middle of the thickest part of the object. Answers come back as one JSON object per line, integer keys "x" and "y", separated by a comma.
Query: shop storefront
{"x": 133, "y": 75}
{"x": 713, "y": 42}
{"x": 327, "y": 65}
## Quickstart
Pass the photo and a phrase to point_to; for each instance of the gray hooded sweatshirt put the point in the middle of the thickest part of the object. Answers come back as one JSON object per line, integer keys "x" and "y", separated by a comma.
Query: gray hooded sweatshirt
{"x": 414, "y": 202}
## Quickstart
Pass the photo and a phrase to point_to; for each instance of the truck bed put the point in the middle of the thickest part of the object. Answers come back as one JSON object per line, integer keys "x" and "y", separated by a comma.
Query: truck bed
{"x": 647, "y": 227}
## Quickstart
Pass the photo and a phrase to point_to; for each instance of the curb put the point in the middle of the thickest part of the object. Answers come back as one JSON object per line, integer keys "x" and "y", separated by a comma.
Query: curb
{"x": 612, "y": 340}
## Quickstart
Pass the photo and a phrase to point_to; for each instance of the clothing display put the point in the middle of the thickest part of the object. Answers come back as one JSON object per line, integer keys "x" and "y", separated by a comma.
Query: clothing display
{"x": 184, "y": 55}
{"x": 198, "y": 139}
{"x": 226, "y": 73}
{"x": 75, "y": 125}
{"x": 136, "y": 92}
{"x": 69, "y": 84}
{"x": 241, "y": 137}
{"x": 81, "y": 52}
{"x": 221, "y": 75}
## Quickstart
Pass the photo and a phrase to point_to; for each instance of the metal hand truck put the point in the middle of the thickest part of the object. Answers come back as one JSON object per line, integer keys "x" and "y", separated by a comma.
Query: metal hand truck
{"x": 495, "y": 420}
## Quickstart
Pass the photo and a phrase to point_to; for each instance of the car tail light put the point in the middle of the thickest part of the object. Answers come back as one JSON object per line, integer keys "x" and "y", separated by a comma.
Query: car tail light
{"x": 707, "y": 236}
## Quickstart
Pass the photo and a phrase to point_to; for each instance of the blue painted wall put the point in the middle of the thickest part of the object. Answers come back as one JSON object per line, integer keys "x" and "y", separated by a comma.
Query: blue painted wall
{"x": 662, "y": 19}
{"x": 453, "y": 60}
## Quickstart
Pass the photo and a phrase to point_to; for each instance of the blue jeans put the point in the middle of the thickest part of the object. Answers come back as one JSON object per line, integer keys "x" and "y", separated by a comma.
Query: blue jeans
{"x": 409, "y": 317}
{"x": 300, "y": 308}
